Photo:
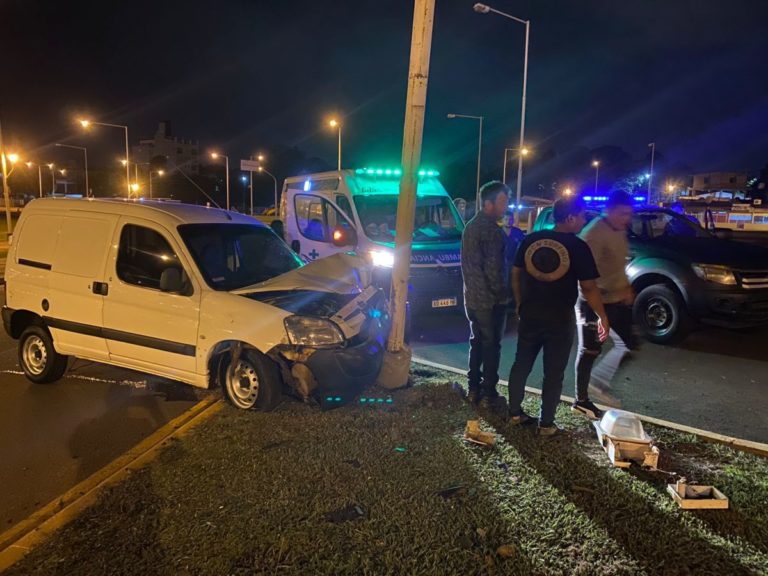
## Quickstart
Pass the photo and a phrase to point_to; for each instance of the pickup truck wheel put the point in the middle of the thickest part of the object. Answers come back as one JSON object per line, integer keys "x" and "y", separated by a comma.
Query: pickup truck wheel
{"x": 38, "y": 358}
{"x": 253, "y": 384}
{"x": 661, "y": 315}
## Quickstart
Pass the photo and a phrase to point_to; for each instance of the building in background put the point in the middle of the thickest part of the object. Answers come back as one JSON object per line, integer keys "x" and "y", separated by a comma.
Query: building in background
{"x": 720, "y": 185}
{"x": 179, "y": 152}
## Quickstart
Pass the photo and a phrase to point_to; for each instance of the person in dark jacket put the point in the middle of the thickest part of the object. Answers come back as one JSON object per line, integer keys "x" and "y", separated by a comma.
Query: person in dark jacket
{"x": 486, "y": 292}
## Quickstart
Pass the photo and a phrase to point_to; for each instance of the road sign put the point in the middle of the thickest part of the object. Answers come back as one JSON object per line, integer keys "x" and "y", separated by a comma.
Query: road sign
{"x": 250, "y": 165}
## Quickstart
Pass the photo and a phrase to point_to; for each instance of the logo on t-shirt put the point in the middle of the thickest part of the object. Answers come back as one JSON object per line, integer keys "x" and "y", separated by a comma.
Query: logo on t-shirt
{"x": 547, "y": 260}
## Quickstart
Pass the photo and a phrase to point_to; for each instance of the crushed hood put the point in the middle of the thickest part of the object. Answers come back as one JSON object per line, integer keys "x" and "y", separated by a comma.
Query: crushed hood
{"x": 339, "y": 274}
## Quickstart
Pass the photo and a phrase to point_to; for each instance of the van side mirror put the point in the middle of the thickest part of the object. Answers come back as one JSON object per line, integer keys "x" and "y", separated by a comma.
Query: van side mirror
{"x": 343, "y": 237}
{"x": 171, "y": 281}
{"x": 296, "y": 246}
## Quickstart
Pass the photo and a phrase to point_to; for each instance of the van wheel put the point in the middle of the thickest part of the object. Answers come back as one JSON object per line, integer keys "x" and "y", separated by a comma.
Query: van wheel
{"x": 38, "y": 358}
{"x": 662, "y": 315}
{"x": 253, "y": 384}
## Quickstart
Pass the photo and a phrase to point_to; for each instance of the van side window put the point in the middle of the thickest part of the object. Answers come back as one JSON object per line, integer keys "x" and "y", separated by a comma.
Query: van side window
{"x": 143, "y": 255}
{"x": 316, "y": 217}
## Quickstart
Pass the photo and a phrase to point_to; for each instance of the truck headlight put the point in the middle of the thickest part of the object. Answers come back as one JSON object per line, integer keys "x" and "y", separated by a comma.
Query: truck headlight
{"x": 313, "y": 332}
{"x": 382, "y": 258}
{"x": 715, "y": 273}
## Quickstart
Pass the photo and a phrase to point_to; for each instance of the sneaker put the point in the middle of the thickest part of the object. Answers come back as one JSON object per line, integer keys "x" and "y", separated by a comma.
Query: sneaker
{"x": 521, "y": 419}
{"x": 473, "y": 396}
{"x": 603, "y": 396}
{"x": 550, "y": 431}
{"x": 587, "y": 408}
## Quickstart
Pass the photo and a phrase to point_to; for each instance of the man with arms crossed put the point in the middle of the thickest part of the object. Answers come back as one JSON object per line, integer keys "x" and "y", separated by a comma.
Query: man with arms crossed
{"x": 486, "y": 292}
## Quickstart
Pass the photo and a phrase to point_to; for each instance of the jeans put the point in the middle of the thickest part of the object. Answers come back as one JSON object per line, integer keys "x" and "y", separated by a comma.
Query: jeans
{"x": 555, "y": 338}
{"x": 622, "y": 336}
{"x": 486, "y": 330}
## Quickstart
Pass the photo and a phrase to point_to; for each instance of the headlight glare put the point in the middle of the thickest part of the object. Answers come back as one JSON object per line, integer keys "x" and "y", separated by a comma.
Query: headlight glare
{"x": 715, "y": 273}
{"x": 313, "y": 332}
{"x": 382, "y": 258}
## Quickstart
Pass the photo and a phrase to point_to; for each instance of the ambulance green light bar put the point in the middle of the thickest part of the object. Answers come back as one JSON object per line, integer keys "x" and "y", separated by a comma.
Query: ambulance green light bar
{"x": 392, "y": 172}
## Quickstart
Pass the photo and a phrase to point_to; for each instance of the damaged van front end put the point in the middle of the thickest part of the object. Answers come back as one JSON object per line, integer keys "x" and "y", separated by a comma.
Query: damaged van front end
{"x": 335, "y": 324}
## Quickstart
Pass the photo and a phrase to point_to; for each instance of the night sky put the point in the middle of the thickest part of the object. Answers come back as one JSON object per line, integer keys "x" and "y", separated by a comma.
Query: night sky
{"x": 246, "y": 76}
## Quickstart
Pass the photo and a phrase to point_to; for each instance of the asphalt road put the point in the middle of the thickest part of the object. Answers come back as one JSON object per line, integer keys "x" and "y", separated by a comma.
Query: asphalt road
{"x": 716, "y": 379}
{"x": 54, "y": 435}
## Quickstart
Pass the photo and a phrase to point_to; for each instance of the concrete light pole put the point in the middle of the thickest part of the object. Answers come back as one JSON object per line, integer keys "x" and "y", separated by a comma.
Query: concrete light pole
{"x": 484, "y": 9}
{"x": 415, "y": 107}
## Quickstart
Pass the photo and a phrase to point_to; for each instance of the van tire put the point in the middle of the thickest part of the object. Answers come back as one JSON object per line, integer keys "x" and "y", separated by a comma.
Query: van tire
{"x": 255, "y": 384}
{"x": 38, "y": 358}
{"x": 661, "y": 314}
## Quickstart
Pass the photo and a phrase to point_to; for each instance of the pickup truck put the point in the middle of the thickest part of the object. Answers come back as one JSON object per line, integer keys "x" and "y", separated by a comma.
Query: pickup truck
{"x": 684, "y": 274}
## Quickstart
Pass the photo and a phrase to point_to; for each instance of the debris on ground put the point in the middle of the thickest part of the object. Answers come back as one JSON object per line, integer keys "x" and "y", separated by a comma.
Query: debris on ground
{"x": 473, "y": 433}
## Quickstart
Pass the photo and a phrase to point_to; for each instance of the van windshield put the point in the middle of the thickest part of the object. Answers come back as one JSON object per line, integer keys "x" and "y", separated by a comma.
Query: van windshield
{"x": 232, "y": 256}
{"x": 436, "y": 218}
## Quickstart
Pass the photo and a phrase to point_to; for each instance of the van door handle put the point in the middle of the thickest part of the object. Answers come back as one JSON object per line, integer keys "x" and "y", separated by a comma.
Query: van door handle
{"x": 101, "y": 288}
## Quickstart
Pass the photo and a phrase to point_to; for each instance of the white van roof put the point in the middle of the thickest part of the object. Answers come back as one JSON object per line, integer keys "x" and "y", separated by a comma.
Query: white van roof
{"x": 169, "y": 214}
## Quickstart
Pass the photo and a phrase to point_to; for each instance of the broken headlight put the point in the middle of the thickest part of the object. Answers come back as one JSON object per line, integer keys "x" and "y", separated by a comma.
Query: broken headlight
{"x": 312, "y": 331}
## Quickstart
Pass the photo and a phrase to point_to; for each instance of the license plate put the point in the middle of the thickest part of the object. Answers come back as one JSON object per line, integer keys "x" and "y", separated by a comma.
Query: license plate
{"x": 444, "y": 302}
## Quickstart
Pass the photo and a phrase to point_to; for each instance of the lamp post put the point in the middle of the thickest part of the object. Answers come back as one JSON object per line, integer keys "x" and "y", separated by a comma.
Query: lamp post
{"x": 216, "y": 155}
{"x": 39, "y": 176}
{"x": 333, "y": 123}
{"x": 596, "y": 165}
{"x": 85, "y": 154}
{"x": 479, "y": 151}
{"x": 88, "y": 123}
{"x": 262, "y": 169}
{"x": 652, "y": 146}
{"x": 4, "y": 159}
{"x": 159, "y": 173}
{"x": 51, "y": 167}
{"x": 484, "y": 9}
{"x": 523, "y": 152}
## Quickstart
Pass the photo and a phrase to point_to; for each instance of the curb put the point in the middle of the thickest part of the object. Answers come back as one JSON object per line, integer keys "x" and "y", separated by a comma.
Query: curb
{"x": 739, "y": 443}
{"x": 19, "y": 540}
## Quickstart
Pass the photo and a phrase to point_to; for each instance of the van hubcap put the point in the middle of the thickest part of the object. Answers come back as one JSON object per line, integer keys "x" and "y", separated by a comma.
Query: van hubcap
{"x": 35, "y": 355}
{"x": 243, "y": 385}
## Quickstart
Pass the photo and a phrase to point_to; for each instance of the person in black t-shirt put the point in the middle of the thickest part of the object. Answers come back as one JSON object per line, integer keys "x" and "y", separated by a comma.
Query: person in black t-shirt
{"x": 550, "y": 266}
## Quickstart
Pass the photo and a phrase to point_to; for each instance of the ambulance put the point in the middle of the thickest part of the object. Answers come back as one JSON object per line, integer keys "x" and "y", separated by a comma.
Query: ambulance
{"x": 355, "y": 211}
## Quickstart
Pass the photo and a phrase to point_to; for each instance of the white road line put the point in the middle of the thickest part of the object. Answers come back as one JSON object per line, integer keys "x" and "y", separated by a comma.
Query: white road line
{"x": 138, "y": 384}
{"x": 748, "y": 445}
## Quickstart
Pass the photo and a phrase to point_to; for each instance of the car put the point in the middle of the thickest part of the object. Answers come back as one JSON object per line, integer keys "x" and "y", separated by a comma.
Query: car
{"x": 199, "y": 295}
{"x": 683, "y": 274}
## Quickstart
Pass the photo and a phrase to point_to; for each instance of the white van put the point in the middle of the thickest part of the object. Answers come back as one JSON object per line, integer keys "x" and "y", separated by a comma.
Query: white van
{"x": 196, "y": 294}
{"x": 355, "y": 210}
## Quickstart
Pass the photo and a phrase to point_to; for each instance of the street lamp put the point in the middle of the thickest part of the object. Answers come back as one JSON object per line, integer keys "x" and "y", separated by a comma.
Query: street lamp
{"x": 216, "y": 155}
{"x": 51, "y": 167}
{"x": 39, "y": 176}
{"x": 484, "y": 9}
{"x": 262, "y": 169}
{"x": 596, "y": 166}
{"x": 523, "y": 152}
{"x": 567, "y": 192}
{"x": 333, "y": 123}
{"x": 85, "y": 153}
{"x": 88, "y": 123}
{"x": 159, "y": 173}
{"x": 479, "y": 152}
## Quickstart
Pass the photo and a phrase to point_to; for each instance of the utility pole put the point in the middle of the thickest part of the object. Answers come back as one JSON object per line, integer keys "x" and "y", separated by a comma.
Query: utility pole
{"x": 652, "y": 146}
{"x": 6, "y": 189}
{"x": 415, "y": 106}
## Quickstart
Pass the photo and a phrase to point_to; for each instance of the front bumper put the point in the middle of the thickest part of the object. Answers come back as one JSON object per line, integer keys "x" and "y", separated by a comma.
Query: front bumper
{"x": 345, "y": 372}
{"x": 733, "y": 308}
